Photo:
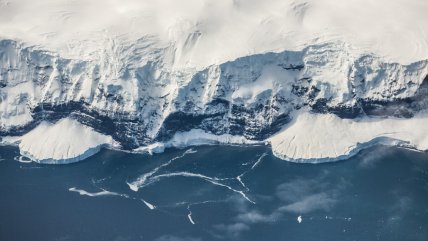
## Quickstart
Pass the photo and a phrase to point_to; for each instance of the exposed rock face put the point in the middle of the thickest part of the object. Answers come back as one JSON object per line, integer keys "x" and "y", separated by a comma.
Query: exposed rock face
{"x": 137, "y": 97}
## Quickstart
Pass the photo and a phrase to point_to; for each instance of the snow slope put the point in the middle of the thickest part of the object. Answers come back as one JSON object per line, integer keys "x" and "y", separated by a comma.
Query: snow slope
{"x": 63, "y": 142}
{"x": 318, "y": 138}
{"x": 199, "y": 33}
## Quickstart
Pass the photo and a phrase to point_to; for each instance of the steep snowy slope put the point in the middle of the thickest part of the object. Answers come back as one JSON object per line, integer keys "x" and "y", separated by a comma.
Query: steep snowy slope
{"x": 143, "y": 72}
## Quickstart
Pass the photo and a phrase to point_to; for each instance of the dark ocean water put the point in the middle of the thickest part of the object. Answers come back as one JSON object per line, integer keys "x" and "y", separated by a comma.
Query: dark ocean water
{"x": 380, "y": 194}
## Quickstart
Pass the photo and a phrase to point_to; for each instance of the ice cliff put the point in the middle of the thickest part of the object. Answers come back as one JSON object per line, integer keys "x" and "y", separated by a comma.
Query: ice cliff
{"x": 64, "y": 142}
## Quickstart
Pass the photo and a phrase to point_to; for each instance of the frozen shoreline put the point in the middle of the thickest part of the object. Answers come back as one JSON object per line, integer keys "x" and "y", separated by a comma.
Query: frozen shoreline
{"x": 310, "y": 138}
{"x": 316, "y": 138}
{"x": 195, "y": 137}
{"x": 64, "y": 142}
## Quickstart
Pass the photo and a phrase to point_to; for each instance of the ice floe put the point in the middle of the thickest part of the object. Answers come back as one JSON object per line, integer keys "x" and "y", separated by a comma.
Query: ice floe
{"x": 95, "y": 194}
{"x": 149, "y": 205}
{"x": 189, "y": 216}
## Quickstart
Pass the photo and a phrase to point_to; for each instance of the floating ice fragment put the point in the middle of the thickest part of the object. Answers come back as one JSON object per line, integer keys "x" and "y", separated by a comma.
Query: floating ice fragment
{"x": 149, "y": 205}
{"x": 189, "y": 216}
{"x": 132, "y": 187}
{"x": 96, "y": 194}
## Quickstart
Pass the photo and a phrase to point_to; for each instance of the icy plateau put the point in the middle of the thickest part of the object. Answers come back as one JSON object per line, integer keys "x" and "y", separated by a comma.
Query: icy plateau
{"x": 318, "y": 80}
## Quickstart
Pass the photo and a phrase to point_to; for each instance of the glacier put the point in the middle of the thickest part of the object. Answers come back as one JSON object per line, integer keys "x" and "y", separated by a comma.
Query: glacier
{"x": 315, "y": 138}
{"x": 64, "y": 142}
{"x": 144, "y": 77}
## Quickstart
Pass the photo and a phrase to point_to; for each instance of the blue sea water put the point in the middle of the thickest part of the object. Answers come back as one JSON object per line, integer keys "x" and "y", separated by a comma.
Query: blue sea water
{"x": 215, "y": 193}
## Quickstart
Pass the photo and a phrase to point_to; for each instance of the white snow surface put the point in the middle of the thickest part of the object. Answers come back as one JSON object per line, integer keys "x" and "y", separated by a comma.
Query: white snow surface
{"x": 63, "y": 142}
{"x": 315, "y": 138}
{"x": 200, "y": 33}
